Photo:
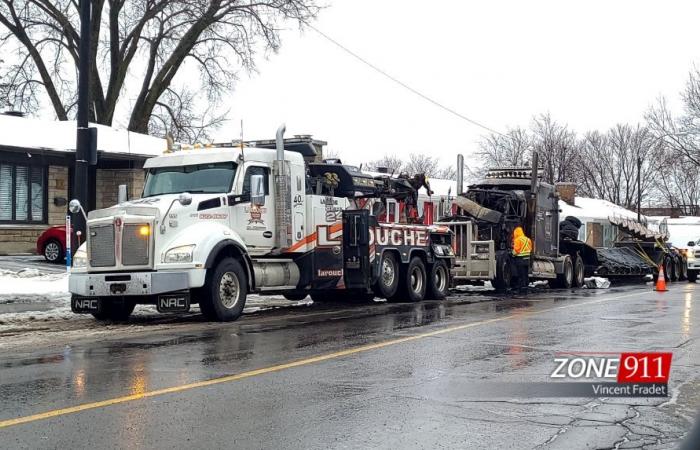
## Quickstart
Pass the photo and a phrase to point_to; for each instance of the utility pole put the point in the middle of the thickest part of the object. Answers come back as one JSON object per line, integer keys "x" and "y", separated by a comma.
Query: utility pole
{"x": 639, "y": 189}
{"x": 82, "y": 150}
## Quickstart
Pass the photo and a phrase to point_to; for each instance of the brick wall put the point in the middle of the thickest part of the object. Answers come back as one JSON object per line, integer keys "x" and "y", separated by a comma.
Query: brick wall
{"x": 108, "y": 182}
{"x": 22, "y": 238}
{"x": 58, "y": 188}
{"x": 567, "y": 192}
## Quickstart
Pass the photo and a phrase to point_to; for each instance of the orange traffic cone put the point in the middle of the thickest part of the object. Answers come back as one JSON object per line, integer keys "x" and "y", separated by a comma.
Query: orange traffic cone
{"x": 661, "y": 280}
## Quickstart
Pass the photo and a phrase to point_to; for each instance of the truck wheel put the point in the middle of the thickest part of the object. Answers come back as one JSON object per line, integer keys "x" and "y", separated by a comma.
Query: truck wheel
{"x": 225, "y": 291}
{"x": 566, "y": 278}
{"x": 684, "y": 269}
{"x": 504, "y": 273}
{"x": 388, "y": 281}
{"x": 295, "y": 297}
{"x": 53, "y": 251}
{"x": 677, "y": 273}
{"x": 117, "y": 311}
{"x": 579, "y": 271}
{"x": 668, "y": 267}
{"x": 692, "y": 276}
{"x": 412, "y": 282}
{"x": 438, "y": 281}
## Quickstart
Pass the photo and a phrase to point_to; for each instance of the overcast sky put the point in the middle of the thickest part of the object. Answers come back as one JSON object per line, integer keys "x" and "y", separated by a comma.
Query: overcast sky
{"x": 589, "y": 63}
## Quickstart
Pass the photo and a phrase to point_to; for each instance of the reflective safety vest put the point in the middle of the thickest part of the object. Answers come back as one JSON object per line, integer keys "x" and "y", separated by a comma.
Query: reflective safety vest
{"x": 522, "y": 247}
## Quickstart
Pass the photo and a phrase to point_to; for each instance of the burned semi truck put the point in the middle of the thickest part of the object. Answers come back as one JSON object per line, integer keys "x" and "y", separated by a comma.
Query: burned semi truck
{"x": 492, "y": 208}
{"x": 489, "y": 211}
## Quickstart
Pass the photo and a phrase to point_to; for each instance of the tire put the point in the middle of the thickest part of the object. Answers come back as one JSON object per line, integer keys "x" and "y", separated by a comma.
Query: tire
{"x": 388, "y": 282}
{"x": 692, "y": 276}
{"x": 504, "y": 273}
{"x": 684, "y": 269}
{"x": 677, "y": 273}
{"x": 668, "y": 267}
{"x": 566, "y": 279}
{"x": 323, "y": 297}
{"x": 117, "y": 311}
{"x": 225, "y": 291}
{"x": 438, "y": 281}
{"x": 53, "y": 251}
{"x": 412, "y": 282}
{"x": 579, "y": 271}
{"x": 295, "y": 296}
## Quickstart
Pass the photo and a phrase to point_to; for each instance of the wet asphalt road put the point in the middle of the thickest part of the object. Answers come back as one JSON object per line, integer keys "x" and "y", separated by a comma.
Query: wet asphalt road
{"x": 360, "y": 376}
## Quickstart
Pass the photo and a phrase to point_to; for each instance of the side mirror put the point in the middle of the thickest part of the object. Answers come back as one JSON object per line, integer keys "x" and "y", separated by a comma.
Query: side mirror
{"x": 75, "y": 207}
{"x": 122, "y": 195}
{"x": 185, "y": 199}
{"x": 257, "y": 190}
{"x": 691, "y": 244}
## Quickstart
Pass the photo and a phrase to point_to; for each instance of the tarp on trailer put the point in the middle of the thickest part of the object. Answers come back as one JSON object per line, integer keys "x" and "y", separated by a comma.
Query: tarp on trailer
{"x": 622, "y": 261}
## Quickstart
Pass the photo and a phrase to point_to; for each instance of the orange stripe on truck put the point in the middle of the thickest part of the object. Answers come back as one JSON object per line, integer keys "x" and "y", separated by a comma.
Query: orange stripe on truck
{"x": 338, "y": 226}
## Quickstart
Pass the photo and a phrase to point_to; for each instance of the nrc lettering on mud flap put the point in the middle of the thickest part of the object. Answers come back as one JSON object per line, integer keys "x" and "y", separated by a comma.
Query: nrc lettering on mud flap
{"x": 85, "y": 305}
{"x": 173, "y": 303}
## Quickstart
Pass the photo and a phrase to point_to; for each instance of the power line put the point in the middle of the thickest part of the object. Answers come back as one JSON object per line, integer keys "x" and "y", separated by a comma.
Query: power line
{"x": 401, "y": 83}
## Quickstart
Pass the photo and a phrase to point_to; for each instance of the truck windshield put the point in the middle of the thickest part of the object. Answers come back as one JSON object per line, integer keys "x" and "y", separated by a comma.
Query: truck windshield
{"x": 199, "y": 178}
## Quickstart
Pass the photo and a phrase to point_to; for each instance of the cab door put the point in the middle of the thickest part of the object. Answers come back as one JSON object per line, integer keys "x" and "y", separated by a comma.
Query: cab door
{"x": 254, "y": 223}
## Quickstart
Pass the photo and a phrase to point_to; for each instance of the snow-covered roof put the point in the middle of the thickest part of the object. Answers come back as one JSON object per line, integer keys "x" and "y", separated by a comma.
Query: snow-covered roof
{"x": 594, "y": 209}
{"x": 30, "y": 133}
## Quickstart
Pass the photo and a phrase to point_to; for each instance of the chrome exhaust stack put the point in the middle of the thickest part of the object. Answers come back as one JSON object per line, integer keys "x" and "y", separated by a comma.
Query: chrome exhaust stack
{"x": 460, "y": 174}
{"x": 283, "y": 206}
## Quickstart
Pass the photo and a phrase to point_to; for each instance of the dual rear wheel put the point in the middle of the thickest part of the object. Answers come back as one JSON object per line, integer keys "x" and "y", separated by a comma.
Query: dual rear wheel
{"x": 412, "y": 282}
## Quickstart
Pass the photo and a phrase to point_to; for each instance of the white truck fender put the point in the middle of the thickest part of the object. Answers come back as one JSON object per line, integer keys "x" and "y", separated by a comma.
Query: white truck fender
{"x": 211, "y": 238}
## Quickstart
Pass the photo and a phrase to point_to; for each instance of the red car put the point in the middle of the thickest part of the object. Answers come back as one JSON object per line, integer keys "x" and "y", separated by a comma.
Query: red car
{"x": 52, "y": 244}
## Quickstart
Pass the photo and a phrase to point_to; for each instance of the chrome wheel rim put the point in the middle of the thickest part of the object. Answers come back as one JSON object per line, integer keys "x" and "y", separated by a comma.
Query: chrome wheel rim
{"x": 416, "y": 280}
{"x": 229, "y": 290}
{"x": 388, "y": 273}
{"x": 440, "y": 278}
{"x": 51, "y": 251}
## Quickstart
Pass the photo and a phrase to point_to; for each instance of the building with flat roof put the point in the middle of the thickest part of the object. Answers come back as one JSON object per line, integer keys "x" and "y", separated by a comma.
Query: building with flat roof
{"x": 36, "y": 174}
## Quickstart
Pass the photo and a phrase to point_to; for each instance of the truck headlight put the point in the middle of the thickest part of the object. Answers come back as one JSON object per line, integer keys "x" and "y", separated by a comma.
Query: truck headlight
{"x": 80, "y": 258}
{"x": 690, "y": 256}
{"x": 181, "y": 254}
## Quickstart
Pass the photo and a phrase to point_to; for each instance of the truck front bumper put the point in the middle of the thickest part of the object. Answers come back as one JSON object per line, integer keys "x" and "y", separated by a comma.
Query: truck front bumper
{"x": 134, "y": 283}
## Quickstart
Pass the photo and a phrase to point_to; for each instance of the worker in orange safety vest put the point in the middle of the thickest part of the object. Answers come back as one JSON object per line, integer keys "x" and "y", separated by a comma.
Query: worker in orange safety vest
{"x": 522, "y": 247}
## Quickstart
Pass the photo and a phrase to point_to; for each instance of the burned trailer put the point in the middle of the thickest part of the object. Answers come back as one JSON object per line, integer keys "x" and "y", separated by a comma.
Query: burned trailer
{"x": 652, "y": 248}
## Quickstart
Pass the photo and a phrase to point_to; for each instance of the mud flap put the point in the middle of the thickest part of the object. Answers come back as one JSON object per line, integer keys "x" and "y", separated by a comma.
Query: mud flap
{"x": 85, "y": 305}
{"x": 356, "y": 249}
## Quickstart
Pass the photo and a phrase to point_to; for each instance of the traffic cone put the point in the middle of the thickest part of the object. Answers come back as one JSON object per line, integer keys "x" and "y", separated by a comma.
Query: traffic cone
{"x": 661, "y": 280}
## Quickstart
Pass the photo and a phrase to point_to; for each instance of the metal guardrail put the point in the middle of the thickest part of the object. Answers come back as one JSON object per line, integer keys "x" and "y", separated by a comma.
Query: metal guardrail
{"x": 475, "y": 260}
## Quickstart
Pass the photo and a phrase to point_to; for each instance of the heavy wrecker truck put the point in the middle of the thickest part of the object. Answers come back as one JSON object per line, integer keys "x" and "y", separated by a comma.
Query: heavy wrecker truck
{"x": 216, "y": 224}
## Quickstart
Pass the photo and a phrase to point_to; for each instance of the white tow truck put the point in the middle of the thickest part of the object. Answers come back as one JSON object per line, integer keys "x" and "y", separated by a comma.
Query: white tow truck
{"x": 218, "y": 223}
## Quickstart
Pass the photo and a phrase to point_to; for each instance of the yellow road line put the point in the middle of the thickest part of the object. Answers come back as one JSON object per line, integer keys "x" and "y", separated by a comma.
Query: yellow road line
{"x": 289, "y": 365}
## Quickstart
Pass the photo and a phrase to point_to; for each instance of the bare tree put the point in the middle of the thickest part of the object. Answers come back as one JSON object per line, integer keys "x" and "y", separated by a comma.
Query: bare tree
{"x": 512, "y": 149}
{"x": 137, "y": 50}
{"x": 392, "y": 163}
{"x": 610, "y": 164}
{"x": 422, "y": 163}
{"x": 558, "y": 149}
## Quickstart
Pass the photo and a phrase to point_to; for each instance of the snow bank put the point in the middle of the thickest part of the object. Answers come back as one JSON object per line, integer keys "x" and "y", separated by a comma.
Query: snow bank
{"x": 20, "y": 284}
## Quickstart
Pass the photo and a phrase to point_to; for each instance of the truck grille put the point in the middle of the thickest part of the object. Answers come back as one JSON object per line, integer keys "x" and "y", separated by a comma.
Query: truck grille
{"x": 102, "y": 246}
{"x": 135, "y": 244}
